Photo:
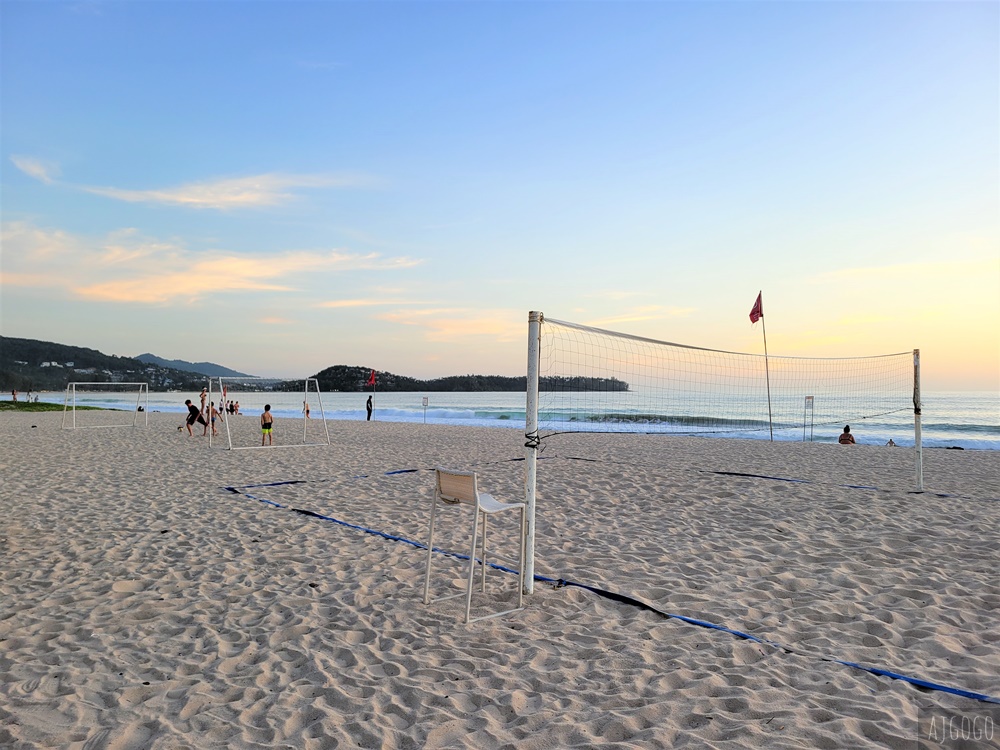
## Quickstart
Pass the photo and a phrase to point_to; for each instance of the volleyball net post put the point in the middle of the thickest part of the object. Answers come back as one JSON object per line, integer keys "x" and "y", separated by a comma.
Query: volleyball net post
{"x": 531, "y": 445}
{"x": 918, "y": 447}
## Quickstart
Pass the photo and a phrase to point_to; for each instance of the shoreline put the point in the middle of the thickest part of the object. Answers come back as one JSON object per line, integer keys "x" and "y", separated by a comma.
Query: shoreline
{"x": 968, "y": 436}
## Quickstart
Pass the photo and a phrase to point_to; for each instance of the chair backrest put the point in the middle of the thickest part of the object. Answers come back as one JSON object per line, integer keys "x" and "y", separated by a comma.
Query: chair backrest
{"x": 457, "y": 486}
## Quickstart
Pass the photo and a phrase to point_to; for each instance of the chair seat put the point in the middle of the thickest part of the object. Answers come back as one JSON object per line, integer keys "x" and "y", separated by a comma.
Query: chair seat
{"x": 489, "y": 504}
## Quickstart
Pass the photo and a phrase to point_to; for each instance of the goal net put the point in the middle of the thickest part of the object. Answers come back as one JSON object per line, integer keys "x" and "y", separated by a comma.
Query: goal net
{"x": 295, "y": 407}
{"x": 105, "y": 405}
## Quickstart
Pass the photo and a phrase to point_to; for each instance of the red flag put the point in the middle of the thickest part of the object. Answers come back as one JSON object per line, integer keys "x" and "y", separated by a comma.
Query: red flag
{"x": 371, "y": 379}
{"x": 757, "y": 311}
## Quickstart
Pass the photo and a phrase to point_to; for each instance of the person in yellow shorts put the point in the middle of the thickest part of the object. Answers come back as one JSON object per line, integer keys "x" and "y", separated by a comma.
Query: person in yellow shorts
{"x": 266, "y": 425}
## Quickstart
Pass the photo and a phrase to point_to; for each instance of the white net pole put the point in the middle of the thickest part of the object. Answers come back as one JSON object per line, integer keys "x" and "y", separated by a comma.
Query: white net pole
{"x": 917, "y": 438}
{"x": 531, "y": 446}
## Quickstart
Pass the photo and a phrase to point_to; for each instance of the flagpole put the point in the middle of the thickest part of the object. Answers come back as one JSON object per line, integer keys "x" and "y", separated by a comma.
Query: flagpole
{"x": 767, "y": 374}
{"x": 757, "y": 313}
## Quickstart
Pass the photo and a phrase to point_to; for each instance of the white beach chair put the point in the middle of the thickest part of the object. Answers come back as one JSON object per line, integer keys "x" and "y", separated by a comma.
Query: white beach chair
{"x": 462, "y": 488}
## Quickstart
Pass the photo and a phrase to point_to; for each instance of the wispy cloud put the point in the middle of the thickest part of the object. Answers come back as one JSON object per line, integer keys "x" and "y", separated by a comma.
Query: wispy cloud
{"x": 918, "y": 271}
{"x": 371, "y": 302}
{"x": 254, "y": 191}
{"x": 275, "y": 321}
{"x": 643, "y": 314}
{"x": 457, "y": 325}
{"x": 241, "y": 192}
{"x": 127, "y": 267}
{"x": 43, "y": 171}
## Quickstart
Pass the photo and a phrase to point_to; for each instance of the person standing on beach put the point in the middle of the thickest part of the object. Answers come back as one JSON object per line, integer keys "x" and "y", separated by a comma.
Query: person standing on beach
{"x": 204, "y": 395}
{"x": 846, "y": 438}
{"x": 215, "y": 415}
{"x": 305, "y": 408}
{"x": 193, "y": 416}
{"x": 266, "y": 425}
{"x": 368, "y": 406}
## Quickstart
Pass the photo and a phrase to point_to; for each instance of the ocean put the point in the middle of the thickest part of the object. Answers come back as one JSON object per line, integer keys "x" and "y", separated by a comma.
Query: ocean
{"x": 969, "y": 420}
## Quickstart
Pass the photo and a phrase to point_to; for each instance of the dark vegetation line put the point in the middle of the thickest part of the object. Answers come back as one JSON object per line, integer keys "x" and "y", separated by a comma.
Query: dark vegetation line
{"x": 28, "y": 364}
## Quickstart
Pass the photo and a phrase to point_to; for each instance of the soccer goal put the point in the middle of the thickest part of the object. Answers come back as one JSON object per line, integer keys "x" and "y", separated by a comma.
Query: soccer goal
{"x": 295, "y": 406}
{"x": 585, "y": 379}
{"x": 105, "y": 405}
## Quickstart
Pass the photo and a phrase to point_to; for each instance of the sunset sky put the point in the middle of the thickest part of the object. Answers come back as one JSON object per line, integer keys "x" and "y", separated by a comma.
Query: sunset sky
{"x": 280, "y": 187}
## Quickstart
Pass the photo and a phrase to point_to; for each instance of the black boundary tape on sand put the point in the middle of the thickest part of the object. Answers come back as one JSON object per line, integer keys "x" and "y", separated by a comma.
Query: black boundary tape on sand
{"x": 614, "y": 596}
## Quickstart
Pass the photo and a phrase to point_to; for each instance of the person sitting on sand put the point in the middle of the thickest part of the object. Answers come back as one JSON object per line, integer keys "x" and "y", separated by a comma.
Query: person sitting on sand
{"x": 266, "y": 425}
{"x": 846, "y": 438}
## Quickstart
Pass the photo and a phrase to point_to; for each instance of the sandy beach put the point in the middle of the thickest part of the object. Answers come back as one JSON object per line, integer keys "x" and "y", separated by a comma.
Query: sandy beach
{"x": 156, "y": 593}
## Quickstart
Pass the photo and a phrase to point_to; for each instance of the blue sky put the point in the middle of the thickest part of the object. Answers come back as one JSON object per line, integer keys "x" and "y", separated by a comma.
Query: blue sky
{"x": 279, "y": 187}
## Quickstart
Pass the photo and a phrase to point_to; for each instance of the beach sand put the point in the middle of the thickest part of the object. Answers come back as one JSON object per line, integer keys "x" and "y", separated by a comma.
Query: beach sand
{"x": 145, "y": 605}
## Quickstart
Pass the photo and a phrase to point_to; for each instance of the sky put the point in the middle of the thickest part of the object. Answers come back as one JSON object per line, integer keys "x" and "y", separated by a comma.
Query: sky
{"x": 279, "y": 187}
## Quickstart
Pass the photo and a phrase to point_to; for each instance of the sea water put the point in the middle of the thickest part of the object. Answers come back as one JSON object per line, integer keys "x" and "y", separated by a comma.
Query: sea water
{"x": 969, "y": 420}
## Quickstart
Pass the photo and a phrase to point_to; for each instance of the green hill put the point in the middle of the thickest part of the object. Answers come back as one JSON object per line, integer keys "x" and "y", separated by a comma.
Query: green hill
{"x": 28, "y": 364}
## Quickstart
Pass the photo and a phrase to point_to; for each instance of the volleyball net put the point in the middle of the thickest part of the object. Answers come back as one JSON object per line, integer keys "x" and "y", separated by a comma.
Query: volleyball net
{"x": 593, "y": 380}
{"x": 586, "y": 379}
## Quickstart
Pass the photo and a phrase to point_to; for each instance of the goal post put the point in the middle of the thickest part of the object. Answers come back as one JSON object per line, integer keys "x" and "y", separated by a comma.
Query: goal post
{"x": 290, "y": 400}
{"x": 586, "y": 379}
{"x": 104, "y": 405}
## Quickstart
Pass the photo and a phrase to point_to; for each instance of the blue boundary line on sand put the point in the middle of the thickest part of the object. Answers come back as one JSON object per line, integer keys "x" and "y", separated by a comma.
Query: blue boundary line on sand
{"x": 621, "y": 598}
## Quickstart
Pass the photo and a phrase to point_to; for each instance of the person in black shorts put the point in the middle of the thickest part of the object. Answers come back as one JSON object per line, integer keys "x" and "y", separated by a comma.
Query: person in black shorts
{"x": 194, "y": 415}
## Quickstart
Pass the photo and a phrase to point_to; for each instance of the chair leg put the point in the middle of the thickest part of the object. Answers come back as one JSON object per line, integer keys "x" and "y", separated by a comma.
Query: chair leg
{"x": 472, "y": 566}
{"x": 485, "y": 518}
{"x": 430, "y": 553}
{"x": 522, "y": 554}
